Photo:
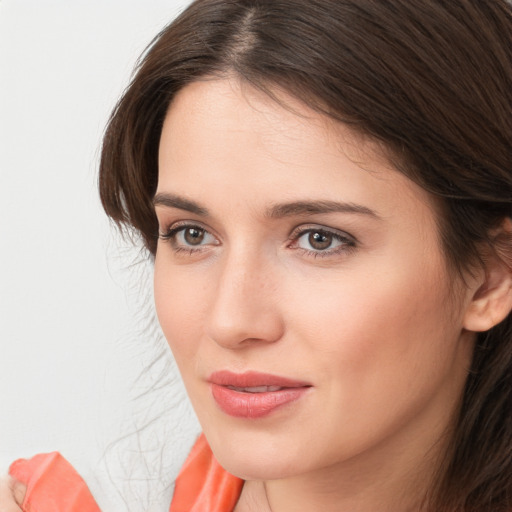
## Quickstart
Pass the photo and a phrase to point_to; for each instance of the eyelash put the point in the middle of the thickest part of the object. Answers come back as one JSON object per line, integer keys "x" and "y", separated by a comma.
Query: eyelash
{"x": 347, "y": 243}
{"x": 171, "y": 233}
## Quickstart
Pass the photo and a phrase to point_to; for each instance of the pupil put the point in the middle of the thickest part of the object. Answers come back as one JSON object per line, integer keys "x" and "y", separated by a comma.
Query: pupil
{"x": 194, "y": 236}
{"x": 319, "y": 240}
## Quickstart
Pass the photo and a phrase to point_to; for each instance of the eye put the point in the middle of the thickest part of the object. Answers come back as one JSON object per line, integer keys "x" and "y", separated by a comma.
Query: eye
{"x": 188, "y": 237}
{"x": 318, "y": 241}
{"x": 192, "y": 235}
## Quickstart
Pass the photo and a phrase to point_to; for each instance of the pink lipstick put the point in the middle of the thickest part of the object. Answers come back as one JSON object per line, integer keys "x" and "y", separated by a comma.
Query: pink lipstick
{"x": 253, "y": 394}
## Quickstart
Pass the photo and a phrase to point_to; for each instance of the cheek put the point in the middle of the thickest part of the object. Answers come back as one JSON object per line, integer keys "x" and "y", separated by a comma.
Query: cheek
{"x": 373, "y": 321}
{"x": 180, "y": 305}
{"x": 383, "y": 350}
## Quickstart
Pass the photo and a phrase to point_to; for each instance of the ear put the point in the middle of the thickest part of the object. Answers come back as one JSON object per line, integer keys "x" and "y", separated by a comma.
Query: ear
{"x": 492, "y": 301}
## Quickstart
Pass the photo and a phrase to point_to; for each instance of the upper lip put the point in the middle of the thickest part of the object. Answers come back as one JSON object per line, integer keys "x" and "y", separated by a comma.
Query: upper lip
{"x": 253, "y": 379}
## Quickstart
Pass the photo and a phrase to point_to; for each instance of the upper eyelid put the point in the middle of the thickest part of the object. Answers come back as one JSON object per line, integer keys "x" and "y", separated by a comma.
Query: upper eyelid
{"x": 164, "y": 229}
{"x": 176, "y": 225}
{"x": 305, "y": 228}
{"x": 169, "y": 233}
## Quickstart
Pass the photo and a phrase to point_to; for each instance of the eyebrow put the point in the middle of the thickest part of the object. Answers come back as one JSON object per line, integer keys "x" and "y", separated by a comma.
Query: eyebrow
{"x": 316, "y": 207}
{"x": 274, "y": 212}
{"x": 181, "y": 203}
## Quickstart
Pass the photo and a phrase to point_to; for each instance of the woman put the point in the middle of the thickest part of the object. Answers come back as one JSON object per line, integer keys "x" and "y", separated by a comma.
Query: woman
{"x": 326, "y": 187}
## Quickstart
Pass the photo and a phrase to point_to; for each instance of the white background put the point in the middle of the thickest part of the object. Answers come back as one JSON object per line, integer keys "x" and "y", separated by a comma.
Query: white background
{"x": 77, "y": 336}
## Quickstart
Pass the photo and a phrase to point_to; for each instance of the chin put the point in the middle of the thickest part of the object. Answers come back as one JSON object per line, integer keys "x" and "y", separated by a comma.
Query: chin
{"x": 253, "y": 455}
{"x": 256, "y": 468}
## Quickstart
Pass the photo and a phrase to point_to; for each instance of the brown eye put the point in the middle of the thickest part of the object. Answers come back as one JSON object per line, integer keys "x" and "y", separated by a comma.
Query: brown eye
{"x": 320, "y": 240}
{"x": 190, "y": 237}
{"x": 193, "y": 236}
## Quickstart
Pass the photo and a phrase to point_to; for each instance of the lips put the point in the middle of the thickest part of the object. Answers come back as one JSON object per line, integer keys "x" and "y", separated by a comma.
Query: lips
{"x": 255, "y": 389}
{"x": 253, "y": 394}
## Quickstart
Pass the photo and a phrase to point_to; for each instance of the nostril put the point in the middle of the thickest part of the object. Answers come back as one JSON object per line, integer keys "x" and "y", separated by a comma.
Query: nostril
{"x": 239, "y": 329}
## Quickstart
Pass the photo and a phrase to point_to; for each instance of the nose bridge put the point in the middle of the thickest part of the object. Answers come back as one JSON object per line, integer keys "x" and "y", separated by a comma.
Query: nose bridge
{"x": 245, "y": 305}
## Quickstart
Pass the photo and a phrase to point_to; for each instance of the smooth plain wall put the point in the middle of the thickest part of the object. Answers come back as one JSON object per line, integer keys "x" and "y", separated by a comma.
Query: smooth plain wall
{"x": 83, "y": 366}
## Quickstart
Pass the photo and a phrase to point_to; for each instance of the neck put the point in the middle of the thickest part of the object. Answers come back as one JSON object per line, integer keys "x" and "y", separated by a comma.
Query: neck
{"x": 387, "y": 479}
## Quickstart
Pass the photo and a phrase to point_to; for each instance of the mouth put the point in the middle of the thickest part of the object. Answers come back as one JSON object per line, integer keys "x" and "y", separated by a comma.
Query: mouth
{"x": 253, "y": 395}
{"x": 255, "y": 389}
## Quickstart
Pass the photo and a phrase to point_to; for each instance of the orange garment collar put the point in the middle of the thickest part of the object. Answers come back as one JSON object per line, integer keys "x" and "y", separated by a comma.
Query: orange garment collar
{"x": 203, "y": 485}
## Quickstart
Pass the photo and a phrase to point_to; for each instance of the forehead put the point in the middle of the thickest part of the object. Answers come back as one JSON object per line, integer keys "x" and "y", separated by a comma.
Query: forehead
{"x": 232, "y": 105}
{"x": 226, "y": 132}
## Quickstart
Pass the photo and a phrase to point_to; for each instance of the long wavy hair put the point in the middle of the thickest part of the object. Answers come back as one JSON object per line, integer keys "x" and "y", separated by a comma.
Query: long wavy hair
{"x": 431, "y": 80}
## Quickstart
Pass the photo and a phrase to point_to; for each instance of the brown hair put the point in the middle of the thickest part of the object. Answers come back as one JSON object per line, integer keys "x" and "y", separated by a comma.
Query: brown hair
{"x": 429, "y": 79}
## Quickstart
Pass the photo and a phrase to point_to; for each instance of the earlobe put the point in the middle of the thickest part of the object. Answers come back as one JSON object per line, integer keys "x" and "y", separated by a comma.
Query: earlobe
{"x": 492, "y": 301}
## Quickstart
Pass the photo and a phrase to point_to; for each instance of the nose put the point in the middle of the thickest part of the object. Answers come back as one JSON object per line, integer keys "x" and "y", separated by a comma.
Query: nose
{"x": 245, "y": 307}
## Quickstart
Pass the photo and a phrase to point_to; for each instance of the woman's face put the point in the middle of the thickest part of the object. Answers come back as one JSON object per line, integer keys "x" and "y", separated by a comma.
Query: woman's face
{"x": 300, "y": 283}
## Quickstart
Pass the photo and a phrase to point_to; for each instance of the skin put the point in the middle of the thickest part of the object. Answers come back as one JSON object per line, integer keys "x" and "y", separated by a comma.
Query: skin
{"x": 372, "y": 319}
{"x": 375, "y": 323}
{"x": 12, "y": 494}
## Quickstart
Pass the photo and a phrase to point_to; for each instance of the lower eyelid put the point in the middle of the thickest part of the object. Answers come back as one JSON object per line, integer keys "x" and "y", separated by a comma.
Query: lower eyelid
{"x": 172, "y": 233}
{"x": 344, "y": 243}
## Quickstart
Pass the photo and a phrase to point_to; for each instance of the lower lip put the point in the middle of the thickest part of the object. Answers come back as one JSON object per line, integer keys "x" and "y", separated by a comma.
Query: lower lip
{"x": 254, "y": 405}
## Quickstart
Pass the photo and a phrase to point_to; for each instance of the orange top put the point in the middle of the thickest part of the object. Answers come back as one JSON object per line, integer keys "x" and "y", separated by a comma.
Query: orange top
{"x": 53, "y": 485}
{"x": 203, "y": 485}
